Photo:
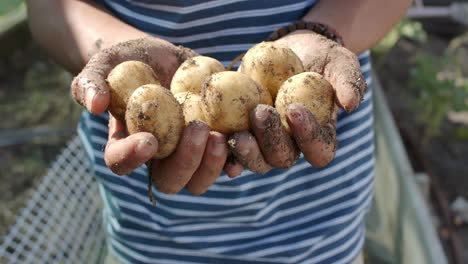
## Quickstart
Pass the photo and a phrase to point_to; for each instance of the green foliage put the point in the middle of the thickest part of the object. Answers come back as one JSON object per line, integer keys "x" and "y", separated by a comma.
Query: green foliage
{"x": 461, "y": 133}
{"x": 8, "y": 5}
{"x": 440, "y": 92}
{"x": 405, "y": 28}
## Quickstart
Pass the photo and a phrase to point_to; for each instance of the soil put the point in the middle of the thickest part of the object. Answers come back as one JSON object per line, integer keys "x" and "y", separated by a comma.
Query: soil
{"x": 442, "y": 157}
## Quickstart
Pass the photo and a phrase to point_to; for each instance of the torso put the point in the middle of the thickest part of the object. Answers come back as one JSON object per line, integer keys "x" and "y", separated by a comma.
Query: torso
{"x": 301, "y": 214}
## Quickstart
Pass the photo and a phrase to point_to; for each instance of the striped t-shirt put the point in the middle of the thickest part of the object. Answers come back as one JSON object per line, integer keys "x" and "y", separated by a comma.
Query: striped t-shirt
{"x": 297, "y": 215}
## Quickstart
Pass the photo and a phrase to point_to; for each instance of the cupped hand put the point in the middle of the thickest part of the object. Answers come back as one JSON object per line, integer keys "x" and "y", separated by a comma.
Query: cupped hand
{"x": 200, "y": 155}
{"x": 90, "y": 88}
{"x": 268, "y": 145}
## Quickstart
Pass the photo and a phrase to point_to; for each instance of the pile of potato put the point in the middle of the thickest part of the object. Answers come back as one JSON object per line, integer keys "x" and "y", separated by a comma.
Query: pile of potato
{"x": 202, "y": 89}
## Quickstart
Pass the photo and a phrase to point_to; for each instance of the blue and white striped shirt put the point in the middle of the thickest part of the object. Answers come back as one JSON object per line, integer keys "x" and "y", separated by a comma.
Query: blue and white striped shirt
{"x": 297, "y": 215}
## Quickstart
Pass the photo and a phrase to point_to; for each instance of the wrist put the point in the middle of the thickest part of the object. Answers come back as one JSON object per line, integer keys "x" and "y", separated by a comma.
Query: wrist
{"x": 317, "y": 28}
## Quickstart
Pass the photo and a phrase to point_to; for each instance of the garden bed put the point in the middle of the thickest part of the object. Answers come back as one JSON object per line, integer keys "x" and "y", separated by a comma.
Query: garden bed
{"x": 443, "y": 154}
{"x": 38, "y": 114}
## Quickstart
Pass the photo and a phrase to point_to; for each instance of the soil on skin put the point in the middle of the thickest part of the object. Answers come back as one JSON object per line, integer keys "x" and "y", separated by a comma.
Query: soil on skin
{"x": 444, "y": 155}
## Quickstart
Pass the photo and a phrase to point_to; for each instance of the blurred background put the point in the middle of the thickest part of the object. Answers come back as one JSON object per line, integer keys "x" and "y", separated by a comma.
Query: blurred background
{"x": 421, "y": 79}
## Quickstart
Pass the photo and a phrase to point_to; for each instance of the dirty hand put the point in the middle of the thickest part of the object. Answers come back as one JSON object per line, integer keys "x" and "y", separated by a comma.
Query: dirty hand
{"x": 200, "y": 155}
{"x": 270, "y": 146}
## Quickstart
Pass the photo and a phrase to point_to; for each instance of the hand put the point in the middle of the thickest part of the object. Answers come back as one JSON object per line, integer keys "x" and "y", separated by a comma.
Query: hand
{"x": 90, "y": 88}
{"x": 271, "y": 146}
{"x": 200, "y": 155}
{"x": 196, "y": 163}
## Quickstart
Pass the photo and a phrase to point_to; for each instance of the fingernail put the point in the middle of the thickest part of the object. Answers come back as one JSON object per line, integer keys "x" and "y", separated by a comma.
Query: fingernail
{"x": 198, "y": 136}
{"x": 244, "y": 152}
{"x": 260, "y": 116}
{"x": 218, "y": 148}
{"x": 296, "y": 113}
{"x": 90, "y": 94}
{"x": 145, "y": 148}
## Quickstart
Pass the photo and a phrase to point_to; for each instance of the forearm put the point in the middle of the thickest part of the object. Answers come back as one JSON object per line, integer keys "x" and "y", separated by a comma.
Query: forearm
{"x": 71, "y": 31}
{"x": 360, "y": 23}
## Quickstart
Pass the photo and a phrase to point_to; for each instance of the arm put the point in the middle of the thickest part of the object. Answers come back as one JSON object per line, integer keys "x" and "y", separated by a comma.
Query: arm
{"x": 71, "y": 31}
{"x": 84, "y": 38}
{"x": 361, "y": 24}
{"x": 82, "y": 28}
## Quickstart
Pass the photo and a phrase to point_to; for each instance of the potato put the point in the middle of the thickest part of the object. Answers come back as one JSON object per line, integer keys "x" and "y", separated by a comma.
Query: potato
{"x": 123, "y": 80}
{"x": 227, "y": 99}
{"x": 310, "y": 89}
{"x": 265, "y": 96}
{"x": 191, "y": 106}
{"x": 270, "y": 64}
{"x": 152, "y": 108}
{"x": 193, "y": 72}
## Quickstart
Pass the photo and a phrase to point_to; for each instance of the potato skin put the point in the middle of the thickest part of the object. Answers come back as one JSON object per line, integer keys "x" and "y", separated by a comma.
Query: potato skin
{"x": 270, "y": 64}
{"x": 123, "y": 80}
{"x": 228, "y": 97}
{"x": 310, "y": 89}
{"x": 152, "y": 108}
{"x": 191, "y": 106}
{"x": 193, "y": 72}
{"x": 265, "y": 96}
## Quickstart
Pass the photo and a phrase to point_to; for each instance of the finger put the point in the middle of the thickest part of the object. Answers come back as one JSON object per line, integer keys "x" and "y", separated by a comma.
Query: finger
{"x": 124, "y": 154}
{"x": 344, "y": 74}
{"x": 278, "y": 148}
{"x": 317, "y": 143}
{"x": 90, "y": 89}
{"x": 211, "y": 165}
{"x": 232, "y": 167}
{"x": 171, "y": 174}
{"x": 246, "y": 150}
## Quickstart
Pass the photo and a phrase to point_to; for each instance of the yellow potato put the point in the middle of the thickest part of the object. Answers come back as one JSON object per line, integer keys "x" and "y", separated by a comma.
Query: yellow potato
{"x": 270, "y": 64}
{"x": 152, "y": 108}
{"x": 228, "y": 97}
{"x": 123, "y": 80}
{"x": 310, "y": 89}
{"x": 191, "y": 74}
{"x": 265, "y": 96}
{"x": 191, "y": 106}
